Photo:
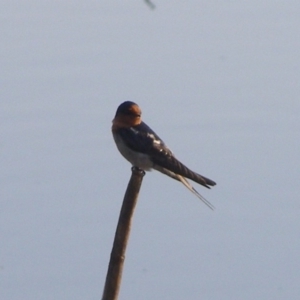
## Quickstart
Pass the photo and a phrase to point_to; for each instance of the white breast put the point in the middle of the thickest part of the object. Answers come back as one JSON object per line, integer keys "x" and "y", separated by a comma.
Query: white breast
{"x": 137, "y": 159}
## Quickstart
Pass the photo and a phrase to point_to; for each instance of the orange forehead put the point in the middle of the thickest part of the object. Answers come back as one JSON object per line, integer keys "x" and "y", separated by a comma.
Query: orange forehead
{"x": 127, "y": 117}
{"x": 134, "y": 108}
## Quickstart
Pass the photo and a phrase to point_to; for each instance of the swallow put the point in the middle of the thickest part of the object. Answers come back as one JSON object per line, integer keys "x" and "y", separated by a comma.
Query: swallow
{"x": 144, "y": 149}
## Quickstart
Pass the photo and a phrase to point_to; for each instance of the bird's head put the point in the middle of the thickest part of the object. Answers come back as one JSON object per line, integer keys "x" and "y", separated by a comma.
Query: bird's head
{"x": 128, "y": 114}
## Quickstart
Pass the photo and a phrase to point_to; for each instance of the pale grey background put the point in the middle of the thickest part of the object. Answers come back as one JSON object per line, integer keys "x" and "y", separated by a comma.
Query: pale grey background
{"x": 217, "y": 80}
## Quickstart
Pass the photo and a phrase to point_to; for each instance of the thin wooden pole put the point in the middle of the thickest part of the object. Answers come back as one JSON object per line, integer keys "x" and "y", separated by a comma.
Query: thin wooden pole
{"x": 117, "y": 256}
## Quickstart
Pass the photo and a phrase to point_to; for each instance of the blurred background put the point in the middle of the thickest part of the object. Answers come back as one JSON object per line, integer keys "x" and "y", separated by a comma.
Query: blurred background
{"x": 218, "y": 81}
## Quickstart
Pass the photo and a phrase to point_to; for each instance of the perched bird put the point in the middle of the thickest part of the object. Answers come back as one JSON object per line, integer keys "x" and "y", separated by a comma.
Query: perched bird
{"x": 144, "y": 149}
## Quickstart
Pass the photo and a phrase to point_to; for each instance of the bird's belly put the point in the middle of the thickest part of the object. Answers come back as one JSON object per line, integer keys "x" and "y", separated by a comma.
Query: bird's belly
{"x": 137, "y": 159}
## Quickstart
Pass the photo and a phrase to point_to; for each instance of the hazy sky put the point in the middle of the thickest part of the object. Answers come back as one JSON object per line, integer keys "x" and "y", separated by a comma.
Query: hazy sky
{"x": 219, "y": 83}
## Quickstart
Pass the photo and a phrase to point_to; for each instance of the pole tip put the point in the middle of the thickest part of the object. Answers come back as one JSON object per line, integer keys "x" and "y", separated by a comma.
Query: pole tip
{"x": 137, "y": 170}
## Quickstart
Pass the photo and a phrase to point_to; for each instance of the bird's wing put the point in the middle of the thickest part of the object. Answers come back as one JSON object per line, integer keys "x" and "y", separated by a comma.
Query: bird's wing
{"x": 143, "y": 139}
{"x": 170, "y": 162}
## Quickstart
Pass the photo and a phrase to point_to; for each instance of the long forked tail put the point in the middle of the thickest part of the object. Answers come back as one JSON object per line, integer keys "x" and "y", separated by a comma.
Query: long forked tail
{"x": 193, "y": 190}
{"x": 186, "y": 184}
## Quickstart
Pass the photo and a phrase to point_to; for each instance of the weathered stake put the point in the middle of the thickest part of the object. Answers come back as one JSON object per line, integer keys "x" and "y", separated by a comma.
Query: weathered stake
{"x": 117, "y": 256}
